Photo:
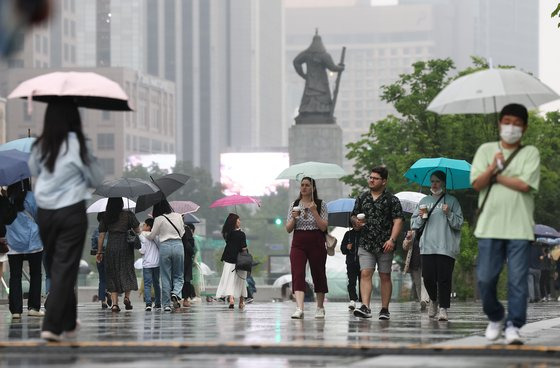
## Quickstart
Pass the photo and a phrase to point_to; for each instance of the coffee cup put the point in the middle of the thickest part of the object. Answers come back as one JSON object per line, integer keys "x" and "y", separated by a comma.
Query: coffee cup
{"x": 297, "y": 210}
{"x": 424, "y": 209}
{"x": 361, "y": 216}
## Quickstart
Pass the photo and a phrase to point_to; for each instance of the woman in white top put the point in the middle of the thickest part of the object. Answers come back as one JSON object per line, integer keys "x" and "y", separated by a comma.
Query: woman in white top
{"x": 65, "y": 170}
{"x": 169, "y": 226}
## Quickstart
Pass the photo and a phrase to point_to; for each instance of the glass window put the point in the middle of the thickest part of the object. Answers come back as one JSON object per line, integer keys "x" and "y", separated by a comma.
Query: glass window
{"x": 108, "y": 165}
{"x": 105, "y": 141}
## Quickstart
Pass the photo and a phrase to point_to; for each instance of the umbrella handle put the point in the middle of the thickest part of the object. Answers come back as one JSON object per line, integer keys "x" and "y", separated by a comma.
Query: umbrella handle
{"x": 29, "y": 104}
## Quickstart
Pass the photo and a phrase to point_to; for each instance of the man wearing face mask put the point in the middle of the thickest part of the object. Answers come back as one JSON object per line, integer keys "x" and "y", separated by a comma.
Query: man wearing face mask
{"x": 506, "y": 175}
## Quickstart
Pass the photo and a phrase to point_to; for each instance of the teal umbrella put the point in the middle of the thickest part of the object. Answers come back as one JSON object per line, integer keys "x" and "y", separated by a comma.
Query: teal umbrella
{"x": 457, "y": 171}
{"x": 22, "y": 144}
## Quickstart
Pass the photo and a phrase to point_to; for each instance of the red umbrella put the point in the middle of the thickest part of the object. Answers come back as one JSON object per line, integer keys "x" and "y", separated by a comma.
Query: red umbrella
{"x": 235, "y": 200}
{"x": 183, "y": 207}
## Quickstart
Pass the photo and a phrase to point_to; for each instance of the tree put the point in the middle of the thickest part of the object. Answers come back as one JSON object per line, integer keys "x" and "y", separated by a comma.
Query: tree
{"x": 556, "y": 12}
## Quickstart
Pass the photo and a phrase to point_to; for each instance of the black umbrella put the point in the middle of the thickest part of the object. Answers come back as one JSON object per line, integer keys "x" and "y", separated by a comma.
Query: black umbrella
{"x": 341, "y": 219}
{"x": 167, "y": 185}
{"x": 125, "y": 187}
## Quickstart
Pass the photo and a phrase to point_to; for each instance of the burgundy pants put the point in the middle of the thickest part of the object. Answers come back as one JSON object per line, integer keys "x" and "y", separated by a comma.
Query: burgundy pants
{"x": 309, "y": 246}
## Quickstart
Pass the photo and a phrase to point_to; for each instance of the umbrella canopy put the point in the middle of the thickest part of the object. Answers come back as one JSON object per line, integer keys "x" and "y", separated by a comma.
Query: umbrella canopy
{"x": 339, "y": 211}
{"x": 13, "y": 167}
{"x": 235, "y": 200}
{"x": 489, "y": 90}
{"x": 183, "y": 207}
{"x": 189, "y": 218}
{"x": 544, "y": 231}
{"x": 167, "y": 185}
{"x": 286, "y": 279}
{"x": 22, "y": 144}
{"x": 205, "y": 270}
{"x": 409, "y": 200}
{"x": 457, "y": 172}
{"x": 86, "y": 89}
{"x": 315, "y": 170}
{"x": 101, "y": 204}
{"x": 125, "y": 187}
{"x": 548, "y": 241}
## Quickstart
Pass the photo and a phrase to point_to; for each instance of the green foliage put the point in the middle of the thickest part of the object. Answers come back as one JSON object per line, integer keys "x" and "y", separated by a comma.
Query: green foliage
{"x": 464, "y": 274}
{"x": 556, "y": 12}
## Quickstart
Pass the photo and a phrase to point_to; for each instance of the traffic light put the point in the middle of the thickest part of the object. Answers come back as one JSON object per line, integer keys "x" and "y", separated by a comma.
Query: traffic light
{"x": 275, "y": 221}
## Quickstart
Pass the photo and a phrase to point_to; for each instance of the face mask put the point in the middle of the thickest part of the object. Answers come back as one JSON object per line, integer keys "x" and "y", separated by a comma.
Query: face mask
{"x": 436, "y": 192}
{"x": 510, "y": 133}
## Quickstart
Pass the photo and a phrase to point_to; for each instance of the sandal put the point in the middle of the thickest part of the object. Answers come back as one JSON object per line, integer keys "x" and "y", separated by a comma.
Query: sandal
{"x": 241, "y": 305}
{"x": 231, "y": 306}
{"x": 115, "y": 308}
{"x": 127, "y": 303}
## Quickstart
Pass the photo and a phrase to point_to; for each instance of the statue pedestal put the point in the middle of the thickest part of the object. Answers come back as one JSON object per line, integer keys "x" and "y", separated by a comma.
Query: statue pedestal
{"x": 316, "y": 142}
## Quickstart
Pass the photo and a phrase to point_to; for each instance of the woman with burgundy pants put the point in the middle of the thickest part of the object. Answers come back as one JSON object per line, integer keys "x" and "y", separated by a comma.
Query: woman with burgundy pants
{"x": 307, "y": 218}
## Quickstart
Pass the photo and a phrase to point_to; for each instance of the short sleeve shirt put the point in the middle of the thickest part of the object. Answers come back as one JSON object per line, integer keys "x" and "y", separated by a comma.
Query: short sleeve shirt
{"x": 306, "y": 221}
{"x": 508, "y": 213}
{"x": 380, "y": 214}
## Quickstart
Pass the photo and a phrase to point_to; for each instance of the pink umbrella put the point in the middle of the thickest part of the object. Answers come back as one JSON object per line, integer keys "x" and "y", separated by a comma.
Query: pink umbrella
{"x": 86, "y": 89}
{"x": 183, "y": 207}
{"x": 235, "y": 200}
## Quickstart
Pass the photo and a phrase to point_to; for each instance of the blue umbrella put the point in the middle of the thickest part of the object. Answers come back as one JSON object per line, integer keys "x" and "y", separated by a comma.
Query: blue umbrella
{"x": 544, "y": 231}
{"x": 341, "y": 205}
{"x": 189, "y": 218}
{"x": 23, "y": 145}
{"x": 13, "y": 167}
{"x": 458, "y": 172}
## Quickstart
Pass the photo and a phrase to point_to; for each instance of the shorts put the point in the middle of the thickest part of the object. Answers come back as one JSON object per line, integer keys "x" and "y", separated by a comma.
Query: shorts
{"x": 368, "y": 260}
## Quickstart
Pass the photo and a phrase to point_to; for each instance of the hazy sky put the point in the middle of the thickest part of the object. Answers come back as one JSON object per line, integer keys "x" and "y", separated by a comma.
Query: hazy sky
{"x": 549, "y": 50}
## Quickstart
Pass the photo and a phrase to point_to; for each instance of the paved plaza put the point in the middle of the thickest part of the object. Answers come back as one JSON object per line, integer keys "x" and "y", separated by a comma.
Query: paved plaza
{"x": 264, "y": 334}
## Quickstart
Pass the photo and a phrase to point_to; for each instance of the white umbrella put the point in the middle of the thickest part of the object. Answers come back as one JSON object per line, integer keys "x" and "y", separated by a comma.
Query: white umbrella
{"x": 286, "y": 279}
{"x": 138, "y": 263}
{"x": 315, "y": 170}
{"x": 488, "y": 91}
{"x": 409, "y": 200}
{"x": 101, "y": 204}
{"x": 205, "y": 270}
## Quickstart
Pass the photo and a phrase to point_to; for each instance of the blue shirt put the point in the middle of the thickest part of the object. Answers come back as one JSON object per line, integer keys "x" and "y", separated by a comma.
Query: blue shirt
{"x": 23, "y": 234}
{"x": 69, "y": 182}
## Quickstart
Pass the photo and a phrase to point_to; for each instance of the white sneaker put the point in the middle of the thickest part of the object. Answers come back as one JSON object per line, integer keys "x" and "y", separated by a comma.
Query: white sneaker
{"x": 50, "y": 336}
{"x": 35, "y": 313}
{"x": 74, "y": 333}
{"x": 298, "y": 314}
{"x": 352, "y": 305}
{"x": 494, "y": 330}
{"x": 442, "y": 316}
{"x": 433, "y": 309}
{"x": 512, "y": 335}
{"x": 320, "y": 314}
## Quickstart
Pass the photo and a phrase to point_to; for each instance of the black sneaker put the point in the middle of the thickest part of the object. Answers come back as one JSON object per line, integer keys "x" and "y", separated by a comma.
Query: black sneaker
{"x": 148, "y": 308}
{"x": 175, "y": 300}
{"x": 384, "y": 314}
{"x": 248, "y": 300}
{"x": 363, "y": 312}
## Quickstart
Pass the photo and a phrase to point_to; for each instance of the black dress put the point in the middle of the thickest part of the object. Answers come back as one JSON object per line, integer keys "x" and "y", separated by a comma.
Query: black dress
{"x": 119, "y": 256}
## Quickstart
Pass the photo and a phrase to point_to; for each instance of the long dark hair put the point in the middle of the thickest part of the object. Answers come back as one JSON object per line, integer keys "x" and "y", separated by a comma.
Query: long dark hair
{"x": 229, "y": 225}
{"x": 62, "y": 117}
{"x": 162, "y": 208}
{"x": 315, "y": 195}
{"x": 17, "y": 193}
{"x": 113, "y": 210}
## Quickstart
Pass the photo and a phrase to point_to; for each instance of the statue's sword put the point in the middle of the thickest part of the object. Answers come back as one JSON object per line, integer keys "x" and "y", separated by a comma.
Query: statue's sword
{"x": 335, "y": 92}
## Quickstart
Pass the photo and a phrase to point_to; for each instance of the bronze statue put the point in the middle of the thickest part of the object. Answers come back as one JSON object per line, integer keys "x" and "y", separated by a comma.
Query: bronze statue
{"x": 317, "y": 106}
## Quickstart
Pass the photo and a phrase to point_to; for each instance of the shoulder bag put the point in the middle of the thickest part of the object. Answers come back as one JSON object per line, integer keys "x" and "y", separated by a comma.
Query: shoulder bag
{"x": 409, "y": 244}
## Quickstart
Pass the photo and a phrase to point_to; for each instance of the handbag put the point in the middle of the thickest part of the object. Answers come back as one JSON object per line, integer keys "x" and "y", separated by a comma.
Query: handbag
{"x": 330, "y": 243}
{"x": 244, "y": 262}
{"x": 132, "y": 239}
{"x": 187, "y": 246}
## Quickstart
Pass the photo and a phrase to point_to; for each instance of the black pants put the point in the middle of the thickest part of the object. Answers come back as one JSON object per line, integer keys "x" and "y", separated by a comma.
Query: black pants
{"x": 353, "y": 272}
{"x": 16, "y": 266}
{"x": 437, "y": 271}
{"x": 188, "y": 288}
{"x": 545, "y": 283}
{"x": 63, "y": 232}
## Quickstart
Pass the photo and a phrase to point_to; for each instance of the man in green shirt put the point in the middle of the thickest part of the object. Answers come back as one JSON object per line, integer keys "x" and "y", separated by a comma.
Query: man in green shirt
{"x": 505, "y": 224}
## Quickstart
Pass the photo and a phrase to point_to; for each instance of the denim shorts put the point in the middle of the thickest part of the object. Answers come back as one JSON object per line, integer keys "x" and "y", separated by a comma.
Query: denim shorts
{"x": 368, "y": 260}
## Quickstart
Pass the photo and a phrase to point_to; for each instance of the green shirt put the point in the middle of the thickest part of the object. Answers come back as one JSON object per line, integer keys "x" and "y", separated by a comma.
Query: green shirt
{"x": 508, "y": 213}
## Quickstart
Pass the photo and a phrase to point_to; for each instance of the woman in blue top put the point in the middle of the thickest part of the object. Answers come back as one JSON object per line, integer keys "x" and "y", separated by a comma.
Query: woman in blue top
{"x": 65, "y": 170}
{"x": 25, "y": 244}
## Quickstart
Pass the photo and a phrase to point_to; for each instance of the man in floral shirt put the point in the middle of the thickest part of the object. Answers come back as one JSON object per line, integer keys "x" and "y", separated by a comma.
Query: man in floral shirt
{"x": 379, "y": 229}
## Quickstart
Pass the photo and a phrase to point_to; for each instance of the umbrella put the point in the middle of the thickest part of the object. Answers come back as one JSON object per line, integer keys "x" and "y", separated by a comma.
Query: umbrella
{"x": 23, "y": 145}
{"x": 183, "y": 207}
{"x": 189, "y": 218}
{"x": 86, "y": 89}
{"x": 234, "y": 200}
{"x": 457, "y": 172}
{"x": 167, "y": 185}
{"x": 138, "y": 263}
{"x": 409, "y": 200}
{"x": 205, "y": 270}
{"x": 125, "y": 187}
{"x": 13, "y": 167}
{"x": 339, "y": 211}
{"x": 489, "y": 90}
{"x": 286, "y": 279}
{"x": 548, "y": 241}
{"x": 101, "y": 204}
{"x": 544, "y": 231}
{"x": 315, "y": 170}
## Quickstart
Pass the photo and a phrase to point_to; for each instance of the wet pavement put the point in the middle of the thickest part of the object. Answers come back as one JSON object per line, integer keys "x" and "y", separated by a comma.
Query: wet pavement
{"x": 263, "y": 333}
